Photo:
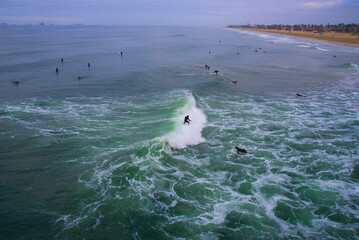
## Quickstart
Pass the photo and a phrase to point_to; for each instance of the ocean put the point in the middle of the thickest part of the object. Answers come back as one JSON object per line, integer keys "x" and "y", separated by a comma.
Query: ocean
{"x": 107, "y": 156}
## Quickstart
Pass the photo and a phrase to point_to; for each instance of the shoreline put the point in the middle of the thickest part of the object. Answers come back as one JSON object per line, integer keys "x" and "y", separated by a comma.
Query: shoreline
{"x": 331, "y": 37}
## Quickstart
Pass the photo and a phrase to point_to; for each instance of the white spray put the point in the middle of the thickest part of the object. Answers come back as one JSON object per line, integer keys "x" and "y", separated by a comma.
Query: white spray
{"x": 187, "y": 134}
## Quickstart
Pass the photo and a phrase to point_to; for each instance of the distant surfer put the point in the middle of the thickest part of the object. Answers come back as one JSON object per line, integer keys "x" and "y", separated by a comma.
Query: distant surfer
{"x": 241, "y": 150}
{"x": 215, "y": 72}
{"x": 16, "y": 82}
{"x": 79, "y": 77}
{"x": 207, "y": 67}
{"x": 57, "y": 70}
{"x": 298, "y": 95}
{"x": 62, "y": 60}
{"x": 88, "y": 64}
{"x": 186, "y": 119}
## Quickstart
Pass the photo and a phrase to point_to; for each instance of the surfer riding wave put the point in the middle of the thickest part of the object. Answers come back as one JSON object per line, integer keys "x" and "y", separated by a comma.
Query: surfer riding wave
{"x": 187, "y": 134}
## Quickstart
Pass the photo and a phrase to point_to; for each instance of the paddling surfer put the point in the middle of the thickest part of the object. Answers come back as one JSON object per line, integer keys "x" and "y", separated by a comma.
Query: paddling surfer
{"x": 240, "y": 150}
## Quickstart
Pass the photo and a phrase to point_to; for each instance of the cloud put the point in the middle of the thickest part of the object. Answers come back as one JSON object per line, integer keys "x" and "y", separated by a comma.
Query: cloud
{"x": 183, "y": 12}
{"x": 321, "y": 4}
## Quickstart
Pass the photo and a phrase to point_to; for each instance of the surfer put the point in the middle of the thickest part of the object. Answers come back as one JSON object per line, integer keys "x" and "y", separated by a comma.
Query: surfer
{"x": 88, "y": 64}
{"x": 206, "y": 66}
{"x": 79, "y": 77}
{"x": 186, "y": 119}
{"x": 240, "y": 150}
{"x": 16, "y": 82}
{"x": 215, "y": 72}
{"x": 298, "y": 95}
{"x": 57, "y": 70}
{"x": 62, "y": 60}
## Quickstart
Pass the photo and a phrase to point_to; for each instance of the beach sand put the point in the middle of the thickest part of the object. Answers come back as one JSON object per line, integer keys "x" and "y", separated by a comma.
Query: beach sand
{"x": 331, "y": 37}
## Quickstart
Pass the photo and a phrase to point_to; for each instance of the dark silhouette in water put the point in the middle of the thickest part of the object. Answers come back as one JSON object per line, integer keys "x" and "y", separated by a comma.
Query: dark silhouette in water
{"x": 57, "y": 70}
{"x": 241, "y": 150}
{"x": 206, "y": 66}
{"x": 16, "y": 82}
{"x": 186, "y": 119}
{"x": 298, "y": 95}
{"x": 215, "y": 72}
{"x": 79, "y": 77}
{"x": 88, "y": 64}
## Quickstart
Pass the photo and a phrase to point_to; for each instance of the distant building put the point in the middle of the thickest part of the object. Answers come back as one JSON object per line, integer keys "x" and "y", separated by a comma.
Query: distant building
{"x": 341, "y": 27}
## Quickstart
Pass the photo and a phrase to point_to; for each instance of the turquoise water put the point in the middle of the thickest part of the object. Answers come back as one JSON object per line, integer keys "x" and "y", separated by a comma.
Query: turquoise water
{"x": 107, "y": 156}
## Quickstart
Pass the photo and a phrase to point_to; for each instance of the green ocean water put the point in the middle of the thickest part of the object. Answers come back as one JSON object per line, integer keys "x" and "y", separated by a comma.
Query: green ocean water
{"x": 108, "y": 156}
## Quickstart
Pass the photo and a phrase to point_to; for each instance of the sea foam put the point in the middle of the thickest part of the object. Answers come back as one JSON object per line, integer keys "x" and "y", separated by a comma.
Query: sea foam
{"x": 322, "y": 49}
{"x": 353, "y": 66}
{"x": 187, "y": 134}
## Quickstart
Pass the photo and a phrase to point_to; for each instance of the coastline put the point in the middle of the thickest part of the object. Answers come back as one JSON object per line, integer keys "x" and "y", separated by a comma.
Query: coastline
{"x": 331, "y": 37}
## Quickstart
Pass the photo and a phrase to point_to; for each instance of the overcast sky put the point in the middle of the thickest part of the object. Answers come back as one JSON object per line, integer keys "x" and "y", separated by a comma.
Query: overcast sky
{"x": 179, "y": 12}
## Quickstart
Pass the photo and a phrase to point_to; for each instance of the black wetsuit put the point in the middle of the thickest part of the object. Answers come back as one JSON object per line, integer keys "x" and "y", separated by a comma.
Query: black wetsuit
{"x": 186, "y": 120}
{"x": 241, "y": 150}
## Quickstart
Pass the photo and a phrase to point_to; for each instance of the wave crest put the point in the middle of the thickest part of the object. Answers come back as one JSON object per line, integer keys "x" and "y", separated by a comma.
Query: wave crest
{"x": 187, "y": 134}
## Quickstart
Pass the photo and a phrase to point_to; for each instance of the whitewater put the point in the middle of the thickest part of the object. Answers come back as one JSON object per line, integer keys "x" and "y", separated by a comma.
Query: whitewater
{"x": 187, "y": 134}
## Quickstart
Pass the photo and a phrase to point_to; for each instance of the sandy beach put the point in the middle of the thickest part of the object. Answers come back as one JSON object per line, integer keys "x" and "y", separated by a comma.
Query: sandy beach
{"x": 331, "y": 37}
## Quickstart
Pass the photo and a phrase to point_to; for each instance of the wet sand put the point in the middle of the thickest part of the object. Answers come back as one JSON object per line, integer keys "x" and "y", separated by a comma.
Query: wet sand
{"x": 332, "y": 37}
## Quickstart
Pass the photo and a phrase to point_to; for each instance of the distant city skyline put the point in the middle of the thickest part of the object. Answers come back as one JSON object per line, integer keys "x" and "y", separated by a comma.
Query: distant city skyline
{"x": 178, "y": 13}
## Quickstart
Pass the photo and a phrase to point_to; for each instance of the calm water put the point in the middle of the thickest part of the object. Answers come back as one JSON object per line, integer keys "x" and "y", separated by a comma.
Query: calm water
{"x": 107, "y": 156}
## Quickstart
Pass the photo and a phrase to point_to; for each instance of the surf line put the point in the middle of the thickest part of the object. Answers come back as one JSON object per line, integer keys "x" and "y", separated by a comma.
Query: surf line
{"x": 187, "y": 134}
